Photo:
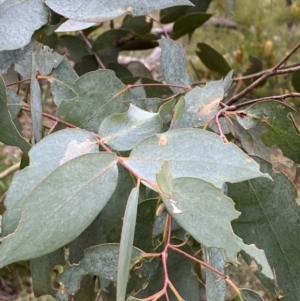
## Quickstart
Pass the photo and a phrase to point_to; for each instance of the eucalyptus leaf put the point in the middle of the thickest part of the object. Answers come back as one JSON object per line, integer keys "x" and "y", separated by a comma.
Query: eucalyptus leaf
{"x": 100, "y": 11}
{"x": 123, "y": 131}
{"x": 74, "y": 25}
{"x": 16, "y": 27}
{"x": 205, "y": 212}
{"x": 193, "y": 153}
{"x": 100, "y": 94}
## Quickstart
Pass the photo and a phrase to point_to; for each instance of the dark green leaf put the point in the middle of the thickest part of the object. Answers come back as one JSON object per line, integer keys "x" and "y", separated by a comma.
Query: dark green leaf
{"x": 94, "y": 102}
{"x": 174, "y": 64}
{"x": 123, "y": 131}
{"x": 17, "y": 27}
{"x": 296, "y": 80}
{"x": 256, "y": 65}
{"x": 103, "y": 11}
{"x": 248, "y": 295}
{"x": 188, "y": 24}
{"x": 138, "y": 25}
{"x": 120, "y": 70}
{"x": 126, "y": 244}
{"x": 270, "y": 219}
{"x": 8, "y": 132}
{"x": 212, "y": 59}
{"x": 193, "y": 153}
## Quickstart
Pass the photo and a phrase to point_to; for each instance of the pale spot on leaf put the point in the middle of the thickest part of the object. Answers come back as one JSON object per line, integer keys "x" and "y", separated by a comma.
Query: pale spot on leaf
{"x": 175, "y": 209}
{"x": 208, "y": 108}
{"x": 163, "y": 140}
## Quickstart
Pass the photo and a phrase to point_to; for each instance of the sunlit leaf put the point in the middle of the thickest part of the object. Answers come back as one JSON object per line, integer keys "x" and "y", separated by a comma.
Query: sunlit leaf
{"x": 270, "y": 219}
{"x": 73, "y": 25}
{"x": 102, "y": 10}
{"x": 193, "y": 153}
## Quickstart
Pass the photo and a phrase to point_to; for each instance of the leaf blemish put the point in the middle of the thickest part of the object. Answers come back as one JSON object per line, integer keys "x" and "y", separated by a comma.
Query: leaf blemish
{"x": 163, "y": 140}
{"x": 175, "y": 209}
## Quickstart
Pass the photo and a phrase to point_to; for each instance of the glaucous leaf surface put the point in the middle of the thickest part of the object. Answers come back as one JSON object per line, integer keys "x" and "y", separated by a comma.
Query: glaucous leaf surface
{"x": 193, "y": 153}
{"x": 205, "y": 212}
{"x": 101, "y": 260}
{"x": 215, "y": 287}
{"x": 50, "y": 153}
{"x": 17, "y": 27}
{"x": 280, "y": 130}
{"x": 123, "y": 131}
{"x": 74, "y": 25}
{"x": 8, "y": 132}
{"x": 99, "y": 11}
{"x": 126, "y": 243}
{"x": 174, "y": 64}
{"x": 49, "y": 211}
{"x": 100, "y": 94}
{"x": 63, "y": 82}
{"x": 270, "y": 220}
{"x": 198, "y": 105}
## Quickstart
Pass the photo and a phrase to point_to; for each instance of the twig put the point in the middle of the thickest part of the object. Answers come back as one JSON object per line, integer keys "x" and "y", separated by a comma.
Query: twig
{"x": 88, "y": 43}
{"x": 263, "y": 77}
{"x": 9, "y": 170}
{"x": 18, "y": 82}
{"x": 160, "y": 25}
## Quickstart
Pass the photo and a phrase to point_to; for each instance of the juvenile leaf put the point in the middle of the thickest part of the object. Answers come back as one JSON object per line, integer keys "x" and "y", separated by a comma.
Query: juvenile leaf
{"x": 280, "y": 130}
{"x": 188, "y": 24}
{"x": 76, "y": 190}
{"x": 126, "y": 244}
{"x": 270, "y": 220}
{"x": 198, "y": 105}
{"x": 164, "y": 178}
{"x": 205, "y": 212}
{"x": 17, "y": 27}
{"x": 100, "y": 260}
{"x": 100, "y": 94}
{"x": 14, "y": 102}
{"x": 215, "y": 287}
{"x": 193, "y": 153}
{"x": 212, "y": 59}
{"x": 8, "y": 132}
{"x": 63, "y": 82}
{"x": 123, "y": 131}
{"x": 73, "y": 25}
{"x": 102, "y": 10}
{"x": 174, "y": 64}
{"x": 54, "y": 150}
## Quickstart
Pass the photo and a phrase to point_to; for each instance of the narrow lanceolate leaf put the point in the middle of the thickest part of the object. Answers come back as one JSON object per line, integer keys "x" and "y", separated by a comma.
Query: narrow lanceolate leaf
{"x": 127, "y": 243}
{"x": 101, "y": 261}
{"x": 100, "y": 11}
{"x": 205, "y": 212}
{"x": 63, "y": 82}
{"x": 100, "y": 94}
{"x": 123, "y": 131}
{"x": 75, "y": 191}
{"x": 215, "y": 287}
{"x": 17, "y": 27}
{"x": 8, "y": 132}
{"x": 193, "y": 153}
{"x": 174, "y": 64}
{"x": 50, "y": 153}
{"x": 198, "y": 106}
{"x": 36, "y": 104}
{"x": 280, "y": 130}
{"x": 270, "y": 219}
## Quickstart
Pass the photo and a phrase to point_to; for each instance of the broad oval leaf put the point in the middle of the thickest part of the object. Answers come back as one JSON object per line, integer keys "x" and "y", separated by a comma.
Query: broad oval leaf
{"x": 126, "y": 243}
{"x": 101, "y": 10}
{"x": 100, "y": 94}
{"x": 205, "y": 212}
{"x": 50, "y": 153}
{"x": 101, "y": 260}
{"x": 270, "y": 219}
{"x": 17, "y": 27}
{"x": 193, "y": 153}
{"x": 174, "y": 64}
{"x": 61, "y": 207}
{"x": 73, "y": 25}
{"x": 123, "y": 131}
